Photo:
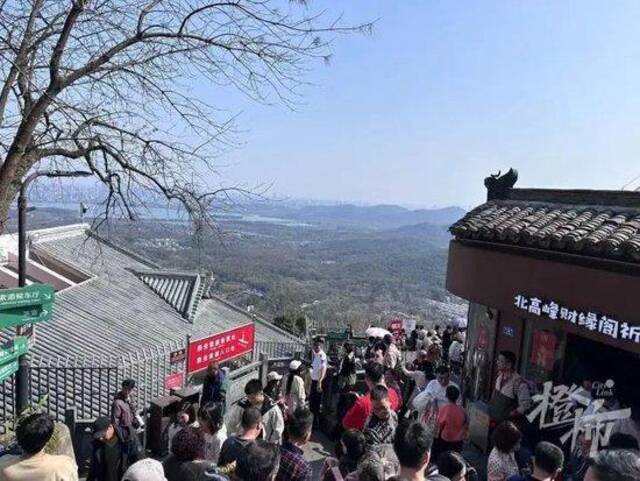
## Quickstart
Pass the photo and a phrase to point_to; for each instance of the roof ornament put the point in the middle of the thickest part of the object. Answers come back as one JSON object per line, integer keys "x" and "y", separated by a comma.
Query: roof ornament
{"x": 498, "y": 186}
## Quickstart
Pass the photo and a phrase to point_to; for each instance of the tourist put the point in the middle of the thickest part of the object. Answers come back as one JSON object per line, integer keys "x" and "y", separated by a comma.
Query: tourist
{"x": 293, "y": 388}
{"x": 319, "y": 366}
{"x": 272, "y": 418}
{"x": 33, "y": 434}
{"x": 417, "y": 375}
{"x": 357, "y": 416}
{"x": 180, "y": 419}
{"x": 125, "y": 419}
{"x": 214, "y": 388}
{"x": 578, "y": 463}
{"x": 454, "y": 467}
{"x": 548, "y": 461}
{"x": 502, "y": 461}
{"x": 435, "y": 394}
{"x": 258, "y": 461}
{"x": 511, "y": 397}
{"x": 211, "y": 422}
{"x": 293, "y": 466}
{"x": 368, "y": 353}
{"x": 350, "y": 450}
{"x": 382, "y": 423}
{"x": 108, "y": 456}
{"x": 412, "y": 445}
{"x": 186, "y": 461}
{"x": 453, "y": 424}
{"x": 456, "y": 353}
{"x": 145, "y": 470}
{"x": 347, "y": 368}
{"x": 447, "y": 340}
{"x": 392, "y": 355}
{"x": 614, "y": 465}
{"x": 250, "y": 430}
{"x": 379, "y": 352}
{"x": 272, "y": 389}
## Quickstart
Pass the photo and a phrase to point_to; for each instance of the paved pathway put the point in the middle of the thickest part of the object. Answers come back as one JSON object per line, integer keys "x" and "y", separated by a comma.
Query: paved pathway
{"x": 316, "y": 451}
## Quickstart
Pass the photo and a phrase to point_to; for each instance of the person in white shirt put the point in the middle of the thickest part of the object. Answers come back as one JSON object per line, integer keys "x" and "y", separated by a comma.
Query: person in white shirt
{"x": 418, "y": 375}
{"x": 435, "y": 394}
{"x": 318, "y": 373}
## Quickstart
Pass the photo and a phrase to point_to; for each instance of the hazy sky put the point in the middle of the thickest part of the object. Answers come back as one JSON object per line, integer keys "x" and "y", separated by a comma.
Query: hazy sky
{"x": 445, "y": 92}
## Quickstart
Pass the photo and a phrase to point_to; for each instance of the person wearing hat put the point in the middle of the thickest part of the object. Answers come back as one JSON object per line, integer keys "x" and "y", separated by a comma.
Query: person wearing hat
{"x": 272, "y": 389}
{"x": 145, "y": 470}
{"x": 108, "y": 458}
{"x": 293, "y": 388}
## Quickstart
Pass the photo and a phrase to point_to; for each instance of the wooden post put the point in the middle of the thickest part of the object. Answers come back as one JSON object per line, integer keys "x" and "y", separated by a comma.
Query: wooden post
{"x": 264, "y": 367}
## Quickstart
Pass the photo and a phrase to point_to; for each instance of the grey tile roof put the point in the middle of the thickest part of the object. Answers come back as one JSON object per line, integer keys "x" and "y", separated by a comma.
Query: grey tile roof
{"x": 115, "y": 312}
{"x": 605, "y": 231}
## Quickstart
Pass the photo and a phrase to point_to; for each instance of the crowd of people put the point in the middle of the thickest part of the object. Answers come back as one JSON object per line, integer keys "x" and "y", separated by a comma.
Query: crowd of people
{"x": 407, "y": 424}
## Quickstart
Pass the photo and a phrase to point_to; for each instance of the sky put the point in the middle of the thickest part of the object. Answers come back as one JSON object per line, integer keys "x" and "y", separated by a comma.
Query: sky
{"x": 444, "y": 93}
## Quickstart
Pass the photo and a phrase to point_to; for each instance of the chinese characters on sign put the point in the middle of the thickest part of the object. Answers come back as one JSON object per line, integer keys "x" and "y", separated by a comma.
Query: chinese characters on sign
{"x": 560, "y": 406}
{"x": 605, "y": 325}
{"x": 174, "y": 381}
{"x": 176, "y": 357}
{"x": 220, "y": 347}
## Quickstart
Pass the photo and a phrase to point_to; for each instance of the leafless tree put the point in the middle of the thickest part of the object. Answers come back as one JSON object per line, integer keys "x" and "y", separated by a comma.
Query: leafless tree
{"x": 107, "y": 85}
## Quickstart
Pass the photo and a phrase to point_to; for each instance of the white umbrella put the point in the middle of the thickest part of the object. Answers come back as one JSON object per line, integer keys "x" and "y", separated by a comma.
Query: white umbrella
{"x": 460, "y": 322}
{"x": 376, "y": 332}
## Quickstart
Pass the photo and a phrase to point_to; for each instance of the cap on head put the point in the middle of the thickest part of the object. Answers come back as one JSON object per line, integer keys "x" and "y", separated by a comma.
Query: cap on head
{"x": 294, "y": 365}
{"x": 100, "y": 426}
{"x": 273, "y": 376}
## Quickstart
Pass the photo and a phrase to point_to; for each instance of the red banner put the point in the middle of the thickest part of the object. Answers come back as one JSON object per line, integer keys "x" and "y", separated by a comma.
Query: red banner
{"x": 174, "y": 381}
{"x": 220, "y": 347}
{"x": 543, "y": 350}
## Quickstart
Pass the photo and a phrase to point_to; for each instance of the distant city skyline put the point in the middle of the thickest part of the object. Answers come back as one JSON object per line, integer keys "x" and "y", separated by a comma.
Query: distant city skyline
{"x": 443, "y": 94}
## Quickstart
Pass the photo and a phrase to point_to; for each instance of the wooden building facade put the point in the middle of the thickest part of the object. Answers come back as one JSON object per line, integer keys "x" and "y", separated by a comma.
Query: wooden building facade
{"x": 553, "y": 276}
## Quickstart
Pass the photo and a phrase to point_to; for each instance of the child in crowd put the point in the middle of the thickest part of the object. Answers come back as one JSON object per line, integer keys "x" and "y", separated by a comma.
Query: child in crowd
{"x": 383, "y": 421}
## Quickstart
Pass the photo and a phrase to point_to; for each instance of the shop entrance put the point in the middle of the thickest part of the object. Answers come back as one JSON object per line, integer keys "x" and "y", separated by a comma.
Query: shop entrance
{"x": 586, "y": 359}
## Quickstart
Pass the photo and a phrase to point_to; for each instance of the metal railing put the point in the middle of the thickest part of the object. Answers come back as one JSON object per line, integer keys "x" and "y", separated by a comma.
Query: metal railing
{"x": 89, "y": 384}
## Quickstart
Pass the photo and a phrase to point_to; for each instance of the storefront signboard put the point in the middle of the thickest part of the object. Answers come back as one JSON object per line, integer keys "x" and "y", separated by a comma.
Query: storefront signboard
{"x": 592, "y": 321}
{"x": 565, "y": 407}
{"x": 220, "y": 347}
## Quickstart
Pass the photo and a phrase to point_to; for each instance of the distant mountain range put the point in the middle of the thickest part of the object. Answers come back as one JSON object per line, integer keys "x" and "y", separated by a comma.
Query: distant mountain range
{"x": 374, "y": 217}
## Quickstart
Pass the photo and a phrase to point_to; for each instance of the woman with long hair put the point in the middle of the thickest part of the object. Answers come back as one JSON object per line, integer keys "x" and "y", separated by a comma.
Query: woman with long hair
{"x": 211, "y": 423}
{"x": 293, "y": 388}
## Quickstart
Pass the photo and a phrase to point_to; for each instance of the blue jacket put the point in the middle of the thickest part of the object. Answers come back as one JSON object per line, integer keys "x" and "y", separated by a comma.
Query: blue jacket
{"x": 214, "y": 390}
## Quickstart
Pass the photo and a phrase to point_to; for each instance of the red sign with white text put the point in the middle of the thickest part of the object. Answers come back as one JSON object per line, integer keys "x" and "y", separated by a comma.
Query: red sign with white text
{"x": 220, "y": 347}
{"x": 174, "y": 381}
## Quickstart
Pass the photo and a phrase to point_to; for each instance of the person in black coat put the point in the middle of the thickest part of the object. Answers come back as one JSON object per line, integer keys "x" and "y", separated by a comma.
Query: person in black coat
{"x": 214, "y": 388}
{"x": 108, "y": 456}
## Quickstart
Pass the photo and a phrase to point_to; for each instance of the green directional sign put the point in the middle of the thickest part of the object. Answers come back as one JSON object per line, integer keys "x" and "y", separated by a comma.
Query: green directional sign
{"x": 33, "y": 295}
{"x": 8, "y": 369}
{"x": 13, "y": 349}
{"x": 26, "y": 305}
{"x": 25, "y": 315}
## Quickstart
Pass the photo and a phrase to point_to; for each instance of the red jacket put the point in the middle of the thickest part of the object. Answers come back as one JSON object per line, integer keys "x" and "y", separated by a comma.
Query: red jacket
{"x": 357, "y": 416}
